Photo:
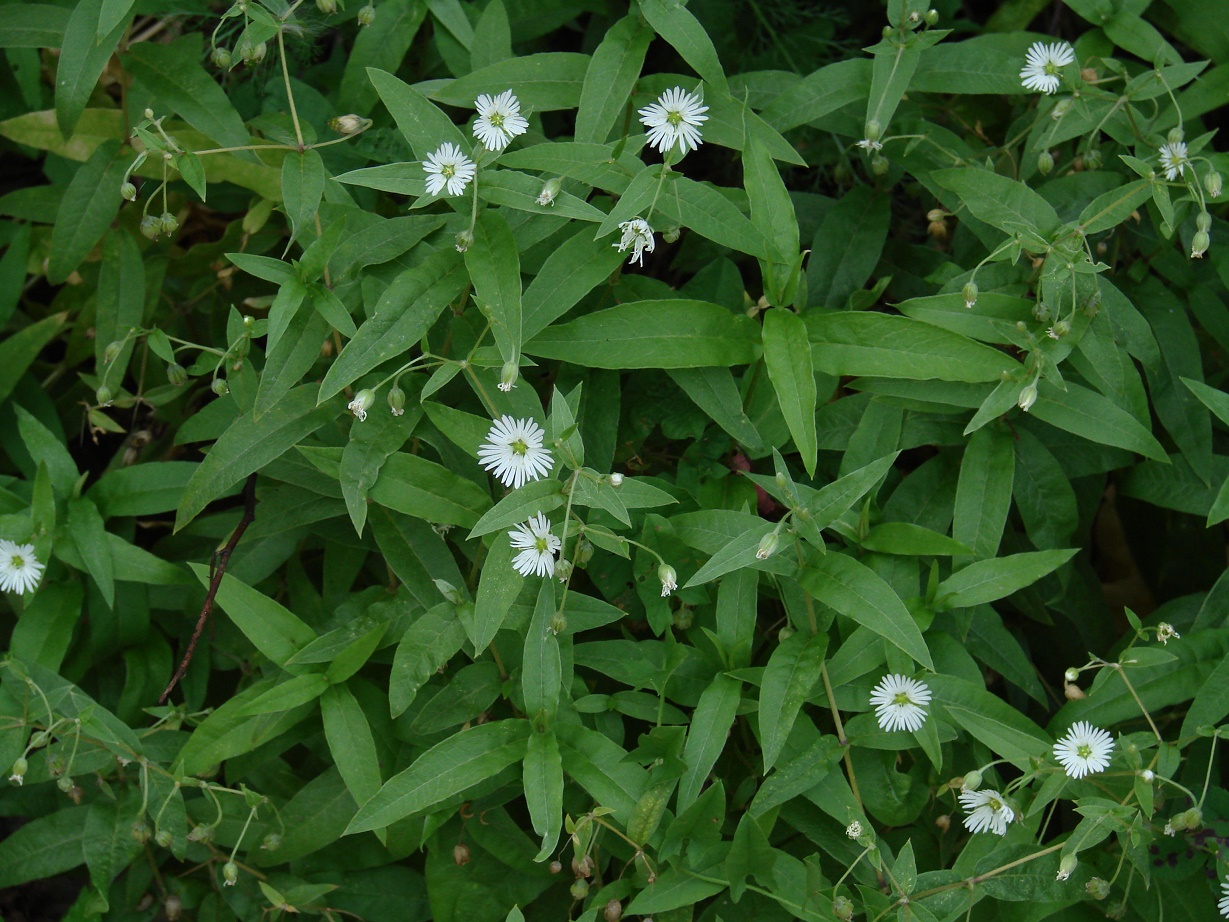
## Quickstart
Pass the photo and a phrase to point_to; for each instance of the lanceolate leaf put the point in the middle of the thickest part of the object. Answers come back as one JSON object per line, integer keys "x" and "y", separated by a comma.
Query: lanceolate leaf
{"x": 792, "y": 671}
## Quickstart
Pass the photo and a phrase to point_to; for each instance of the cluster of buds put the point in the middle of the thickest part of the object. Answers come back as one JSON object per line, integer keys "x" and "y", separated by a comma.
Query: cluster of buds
{"x": 154, "y": 227}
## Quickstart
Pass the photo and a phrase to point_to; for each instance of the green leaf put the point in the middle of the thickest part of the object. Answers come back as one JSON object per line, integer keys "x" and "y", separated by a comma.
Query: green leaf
{"x": 495, "y": 268}
{"x": 90, "y": 204}
{"x": 706, "y": 735}
{"x": 673, "y": 890}
{"x": 350, "y": 741}
{"x": 422, "y": 124}
{"x": 673, "y": 333}
{"x": 1093, "y": 417}
{"x": 544, "y": 82}
{"x": 1043, "y": 494}
{"x": 791, "y": 673}
{"x": 737, "y": 553}
{"x": 989, "y": 719}
{"x": 303, "y": 178}
{"x": 429, "y": 491}
{"x": 891, "y": 70}
{"x": 847, "y": 247}
{"x": 715, "y": 392}
{"x": 107, "y": 843}
{"x": 885, "y": 346}
{"x": 858, "y": 592}
{"x": 521, "y": 191}
{"x": 297, "y": 690}
{"x": 83, "y": 55}
{"x": 570, "y": 272}
{"x": 988, "y": 580}
{"x": 542, "y": 776}
{"x": 371, "y": 443}
{"x": 121, "y": 301}
{"x": 450, "y": 767}
{"x": 820, "y": 93}
{"x": 498, "y": 588}
{"x": 44, "y": 847}
{"x": 639, "y": 195}
{"x": 406, "y": 310}
{"x": 427, "y": 644}
{"x": 19, "y": 350}
{"x": 705, "y": 211}
{"x": 1109, "y": 209}
{"x": 978, "y": 64}
{"x": 49, "y": 451}
{"x": 379, "y": 46}
{"x": 519, "y": 505}
{"x": 173, "y": 74}
{"x": 287, "y": 362}
{"x": 273, "y": 629}
{"x": 983, "y": 491}
{"x": 90, "y": 535}
{"x": 831, "y": 502}
{"x": 673, "y": 22}
{"x": 907, "y": 538}
{"x": 787, "y": 356}
{"x": 541, "y": 669}
{"x": 610, "y": 78}
{"x": 1008, "y": 204}
{"x": 33, "y": 25}
{"x": 247, "y": 446}
{"x": 492, "y": 40}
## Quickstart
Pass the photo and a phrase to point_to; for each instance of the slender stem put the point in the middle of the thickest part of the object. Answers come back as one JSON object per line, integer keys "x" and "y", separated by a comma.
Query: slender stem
{"x": 1207, "y": 778}
{"x": 294, "y": 114}
{"x": 1131, "y": 688}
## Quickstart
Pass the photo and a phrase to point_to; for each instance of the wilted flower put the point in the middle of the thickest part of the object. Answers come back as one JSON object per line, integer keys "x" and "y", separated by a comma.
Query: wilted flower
{"x": 499, "y": 120}
{"x": 638, "y": 236}
{"x": 669, "y": 579}
{"x": 362, "y": 403}
{"x": 1165, "y": 632}
{"x": 900, "y": 703}
{"x": 1085, "y": 750}
{"x": 1042, "y": 64}
{"x": 20, "y": 570}
{"x": 1028, "y": 396}
{"x": 675, "y": 118}
{"x": 853, "y": 830}
{"x": 537, "y": 547}
{"x": 549, "y": 191}
{"x": 513, "y": 452}
{"x": 448, "y": 167}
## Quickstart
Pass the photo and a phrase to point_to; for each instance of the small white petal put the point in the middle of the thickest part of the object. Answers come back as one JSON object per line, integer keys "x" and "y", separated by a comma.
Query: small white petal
{"x": 674, "y": 120}
{"x": 20, "y": 570}
{"x": 1085, "y": 750}
{"x": 638, "y": 237}
{"x": 537, "y": 547}
{"x": 1042, "y": 63}
{"x": 987, "y": 811}
{"x": 499, "y": 120}
{"x": 513, "y": 452}
{"x": 900, "y": 703}
{"x": 449, "y": 168}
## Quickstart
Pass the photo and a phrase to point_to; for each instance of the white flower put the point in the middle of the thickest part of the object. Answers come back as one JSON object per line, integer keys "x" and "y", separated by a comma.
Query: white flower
{"x": 549, "y": 191}
{"x": 669, "y": 579}
{"x": 675, "y": 118}
{"x": 513, "y": 452}
{"x": 1174, "y": 159}
{"x": 1085, "y": 750}
{"x": 900, "y": 702}
{"x": 868, "y": 144}
{"x": 1223, "y": 905}
{"x": 1165, "y": 633}
{"x": 853, "y": 830}
{"x": 616, "y": 479}
{"x": 20, "y": 570}
{"x": 638, "y": 235}
{"x": 1169, "y": 830}
{"x": 449, "y": 167}
{"x": 361, "y": 404}
{"x": 987, "y": 811}
{"x": 537, "y": 547}
{"x": 1040, "y": 73}
{"x": 499, "y": 120}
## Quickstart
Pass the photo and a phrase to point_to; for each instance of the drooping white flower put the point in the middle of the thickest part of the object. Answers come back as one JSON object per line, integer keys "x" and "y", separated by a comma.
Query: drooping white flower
{"x": 1223, "y": 905}
{"x": 1165, "y": 632}
{"x": 499, "y": 120}
{"x": 900, "y": 702}
{"x": 448, "y": 167}
{"x": 20, "y": 570}
{"x": 1174, "y": 159}
{"x": 537, "y": 547}
{"x": 868, "y": 145}
{"x": 1085, "y": 750}
{"x": 513, "y": 452}
{"x": 361, "y": 404}
{"x": 637, "y": 236}
{"x": 1042, "y": 64}
{"x": 853, "y": 830}
{"x": 986, "y": 810}
{"x": 675, "y": 118}
{"x": 669, "y": 579}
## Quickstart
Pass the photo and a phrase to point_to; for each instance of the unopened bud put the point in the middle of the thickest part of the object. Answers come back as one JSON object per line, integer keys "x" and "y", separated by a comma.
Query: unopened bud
{"x": 151, "y": 227}
{"x": 219, "y": 387}
{"x": 555, "y": 867}
{"x": 1147, "y": 776}
{"x": 1097, "y": 888}
{"x": 1045, "y": 163}
{"x": 167, "y": 223}
{"x": 1092, "y": 159}
{"x": 508, "y": 375}
{"x": 1199, "y": 244}
{"x": 367, "y": 15}
{"x": 460, "y": 854}
{"x": 172, "y": 906}
{"x": 148, "y": 113}
{"x": 140, "y": 831}
{"x": 1193, "y": 818}
{"x": 549, "y": 192}
{"x": 873, "y": 130}
{"x": 1203, "y": 221}
{"x": 1028, "y": 396}
{"x": 17, "y": 773}
{"x": 970, "y": 293}
{"x": 1212, "y": 183}
{"x": 1071, "y": 674}
{"x": 202, "y": 834}
{"x": 932, "y": 17}
{"x": 111, "y": 353}
{"x": 396, "y": 400}
{"x": 271, "y": 842}
{"x": 230, "y": 873}
{"x": 671, "y": 234}
{"x": 221, "y": 58}
{"x": 972, "y": 781}
{"x": 616, "y": 479}
{"x": 580, "y": 889}
{"x": 164, "y": 838}
{"x": 842, "y": 908}
{"x": 558, "y": 622}
{"x": 613, "y": 911}
{"x": 464, "y": 241}
{"x": 103, "y": 395}
{"x": 327, "y": 7}
{"x": 1066, "y": 866}
{"x": 1062, "y": 107}
{"x": 684, "y": 618}
{"x": 176, "y": 374}
{"x": 563, "y": 569}
{"x": 785, "y": 633}
{"x": 128, "y": 191}
{"x": 259, "y": 52}
{"x": 1176, "y": 135}
{"x": 583, "y": 551}
{"x": 669, "y": 579}
{"x": 349, "y": 124}
{"x": 245, "y": 50}
{"x": 880, "y": 165}
{"x": 768, "y": 546}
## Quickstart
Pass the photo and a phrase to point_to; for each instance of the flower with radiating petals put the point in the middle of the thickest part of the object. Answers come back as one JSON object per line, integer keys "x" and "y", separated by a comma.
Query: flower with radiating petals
{"x": 1174, "y": 159}
{"x": 900, "y": 702}
{"x": 638, "y": 237}
{"x": 448, "y": 167}
{"x": 537, "y": 547}
{"x": 675, "y": 118}
{"x": 499, "y": 120}
{"x": 20, "y": 570}
{"x": 1085, "y": 750}
{"x": 1223, "y": 905}
{"x": 513, "y": 452}
{"x": 986, "y": 810}
{"x": 1042, "y": 64}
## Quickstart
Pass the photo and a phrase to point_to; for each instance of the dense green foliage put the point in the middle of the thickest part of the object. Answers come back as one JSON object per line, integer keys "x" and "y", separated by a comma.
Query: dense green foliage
{"x": 911, "y": 376}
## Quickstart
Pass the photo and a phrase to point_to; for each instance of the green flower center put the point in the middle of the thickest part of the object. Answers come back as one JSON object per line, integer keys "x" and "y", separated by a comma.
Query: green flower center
{"x": 994, "y": 804}
{"x": 1083, "y": 750}
{"x": 901, "y": 699}
{"x": 1051, "y": 69}
{"x": 541, "y": 545}
{"x": 519, "y": 447}
{"x": 17, "y": 561}
{"x": 448, "y": 170}
{"x": 496, "y": 119}
{"x": 675, "y": 118}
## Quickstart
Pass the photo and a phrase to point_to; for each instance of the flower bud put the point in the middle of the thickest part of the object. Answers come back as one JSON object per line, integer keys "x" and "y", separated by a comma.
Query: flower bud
{"x": 202, "y": 834}
{"x": 508, "y": 375}
{"x": 1073, "y": 692}
{"x": 970, "y": 293}
{"x": 1066, "y": 866}
{"x": 103, "y": 395}
{"x": 1176, "y": 135}
{"x": 1199, "y": 244}
{"x": 1045, "y": 163}
{"x": 1203, "y": 221}
{"x": 367, "y": 15}
{"x": 842, "y": 908}
{"x": 151, "y": 227}
{"x": 880, "y": 165}
{"x": 1092, "y": 159}
{"x": 17, "y": 773}
{"x": 684, "y": 619}
{"x": 163, "y": 838}
{"x": 173, "y": 907}
{"x": 111, "y": 353}
{"x": 1062, "y": 107}
{"x": 230, "y": 873}
{"x": 671, "y": 234}
{"x": 1212, "y": 184}
{"x": 245, "y": 49}
{"x": 349, "y": 124}
{"x": 221, "y": 58}
{"x": 616, "y": 479}
{"x": 583, "y": 551}
{"x": 140, "y": 831}
{"x": 873, "y": 130}
{"x": 785, "y": 633}
{"x": 972, "y": 781}
{"x": 1071, "y": 674}
{"x": 259, "y": 52}
{"x": 613, "y": 911}
{"x": 555, "y": 867}
{"x": 1193, "y": 818}
{"x": 1147, "y": 776}
{"x": 176, "y": 374}
{"x": 943, "y": 823}
{"x": 1028, "y": 396}
{"x": 1097, "y": 888}
{"x": 362, "y": 403}
{"x": 40, "y": 739}
{"x": 167, "y": 223}
{"x": 271, "y": 842}
{"x": 580, "y": 889}
{"x": 563, "y": 569}
{"x": 558, "y": 622}
{"x": 219, "y": 387}
{"x": 932, "y": 17}
{"x": 669, "y": 579}
{"x": 327, "y": 7}
{"x": 464, "y": 241}
{"x": 549, "y": 191}
{"x": 768, "y": 546}
{"x": 396, "y": 400}
{"x": 148, "y": 113}
{"x": 460, "y": 854}
{"x": 128, "y": 191}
